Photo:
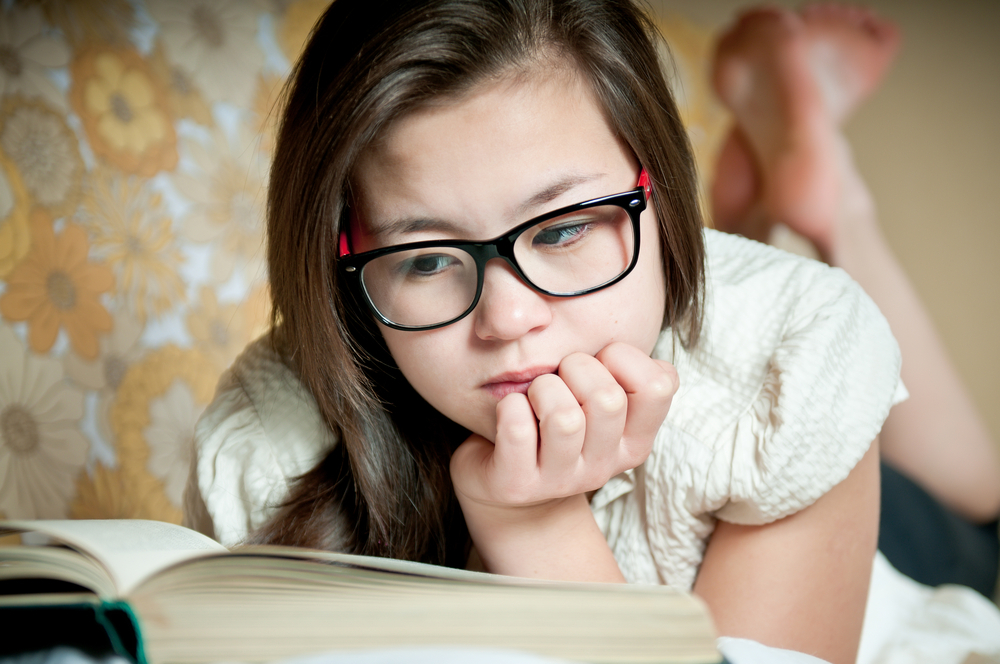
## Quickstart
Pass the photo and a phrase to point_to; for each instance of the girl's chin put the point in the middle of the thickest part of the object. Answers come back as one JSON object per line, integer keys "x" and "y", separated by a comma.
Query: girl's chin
{"x": 479, "y": 420}
{"x": 483, "y": 427}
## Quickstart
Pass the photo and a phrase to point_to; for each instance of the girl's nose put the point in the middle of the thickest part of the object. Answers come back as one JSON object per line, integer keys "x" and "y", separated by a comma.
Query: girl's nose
{"x": 508, "y": 307}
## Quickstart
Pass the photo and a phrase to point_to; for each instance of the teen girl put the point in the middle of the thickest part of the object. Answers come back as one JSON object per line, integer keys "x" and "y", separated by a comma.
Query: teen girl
{"x": 489, "y": 270}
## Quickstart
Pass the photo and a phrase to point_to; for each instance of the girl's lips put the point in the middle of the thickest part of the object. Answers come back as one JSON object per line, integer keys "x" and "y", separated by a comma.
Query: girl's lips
{"x": 514, "y": 381}
{"x": 499, "y": 390}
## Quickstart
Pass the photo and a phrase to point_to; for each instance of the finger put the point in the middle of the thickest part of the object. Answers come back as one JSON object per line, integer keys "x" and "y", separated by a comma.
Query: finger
{"x": 516, "y": 454}
{"x": 561, "y": 426}
{"x": 649, "y": 386}
{"x": 604, "y": 404}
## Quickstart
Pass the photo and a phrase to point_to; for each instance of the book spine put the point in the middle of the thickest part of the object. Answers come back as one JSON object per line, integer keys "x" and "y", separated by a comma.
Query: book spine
{"x": 97, "y": 628}
{"x": 122, "y": 628}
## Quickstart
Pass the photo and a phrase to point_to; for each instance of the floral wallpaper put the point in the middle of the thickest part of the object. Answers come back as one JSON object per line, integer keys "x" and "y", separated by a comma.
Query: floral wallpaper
{"x": 135, "y": 138}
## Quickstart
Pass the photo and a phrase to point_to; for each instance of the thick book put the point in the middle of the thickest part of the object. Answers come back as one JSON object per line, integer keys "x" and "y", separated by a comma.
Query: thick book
{"x": 189, "y": 599}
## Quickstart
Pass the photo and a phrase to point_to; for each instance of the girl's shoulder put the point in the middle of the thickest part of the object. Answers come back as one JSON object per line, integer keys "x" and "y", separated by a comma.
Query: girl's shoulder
{"x": 790, "y": 382}
{"x": 261, "y": 430}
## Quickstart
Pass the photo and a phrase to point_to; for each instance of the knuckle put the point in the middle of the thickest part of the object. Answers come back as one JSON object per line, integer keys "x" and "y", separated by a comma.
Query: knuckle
{"x": 520, "y": 432}
{"x": 567, "y": 422}
{"x": 663, "y": 386}
{"x": 610, "y": 401}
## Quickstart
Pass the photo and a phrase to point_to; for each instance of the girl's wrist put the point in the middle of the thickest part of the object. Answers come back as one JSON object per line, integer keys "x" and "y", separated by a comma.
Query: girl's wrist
{"x": 558, "y": 539}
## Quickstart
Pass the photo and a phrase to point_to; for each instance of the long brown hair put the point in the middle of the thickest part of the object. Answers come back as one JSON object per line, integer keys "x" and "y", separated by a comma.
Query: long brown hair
{"x": 385, "y": 488}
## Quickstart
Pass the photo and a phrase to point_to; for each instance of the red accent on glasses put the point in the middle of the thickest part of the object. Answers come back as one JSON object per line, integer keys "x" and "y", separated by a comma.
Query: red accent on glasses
{"x": 644, "y": 182}
{"x": 344, "y": 249}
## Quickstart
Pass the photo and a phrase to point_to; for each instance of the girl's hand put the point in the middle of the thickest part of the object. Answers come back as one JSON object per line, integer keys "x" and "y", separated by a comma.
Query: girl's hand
{"x": 570, "y": 434}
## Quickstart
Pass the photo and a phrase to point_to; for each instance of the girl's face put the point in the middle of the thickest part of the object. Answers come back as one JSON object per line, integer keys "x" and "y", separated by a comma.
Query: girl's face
{"x": 473, "y": 169}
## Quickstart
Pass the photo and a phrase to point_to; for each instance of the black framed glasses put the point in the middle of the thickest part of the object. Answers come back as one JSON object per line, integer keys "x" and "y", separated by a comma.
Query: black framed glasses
{"x": 568, "y": 252}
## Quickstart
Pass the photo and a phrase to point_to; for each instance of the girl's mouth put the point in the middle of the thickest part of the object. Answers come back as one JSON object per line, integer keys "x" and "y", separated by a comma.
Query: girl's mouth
{"x": 514, "y": 381}
{"x": 499, "y": 390}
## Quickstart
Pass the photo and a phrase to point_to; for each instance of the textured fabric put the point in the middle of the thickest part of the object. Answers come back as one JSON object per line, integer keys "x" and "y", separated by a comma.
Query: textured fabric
{"x": 794, "y": 375}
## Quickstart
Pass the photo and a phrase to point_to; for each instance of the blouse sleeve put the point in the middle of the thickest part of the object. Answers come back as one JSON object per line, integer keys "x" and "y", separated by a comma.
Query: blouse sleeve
{"x": 261, "y": 431}
{"x": 793, "y": 376}
{"x": 796, "y": 376}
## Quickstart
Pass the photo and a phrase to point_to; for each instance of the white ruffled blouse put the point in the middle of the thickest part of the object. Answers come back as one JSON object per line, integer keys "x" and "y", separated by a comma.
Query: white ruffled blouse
{"x": 794, "y": 374}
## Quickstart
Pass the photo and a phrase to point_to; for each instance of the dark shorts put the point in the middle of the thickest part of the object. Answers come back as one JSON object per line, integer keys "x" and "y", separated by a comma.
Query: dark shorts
{"x": 929, "y": 543}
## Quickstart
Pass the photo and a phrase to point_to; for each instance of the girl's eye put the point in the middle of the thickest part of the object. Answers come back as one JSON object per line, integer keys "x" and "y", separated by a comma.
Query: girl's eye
{"x": 426, "y": 265}
{"x": 561, "y": 234}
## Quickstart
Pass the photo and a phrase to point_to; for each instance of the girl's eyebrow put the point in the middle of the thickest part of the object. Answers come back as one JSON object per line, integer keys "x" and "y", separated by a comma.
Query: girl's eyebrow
{"x": 414, "y": 225}
{"x": 554, "y": 191}
{"x": 423, "y": 224}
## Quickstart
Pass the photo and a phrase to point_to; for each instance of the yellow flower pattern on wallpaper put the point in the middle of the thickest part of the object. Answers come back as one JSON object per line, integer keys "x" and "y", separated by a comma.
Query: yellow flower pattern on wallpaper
{"x": 45, "y": 152}
{"x": 228, "y": 185}
{"x": 170, "y": 437}
{"x": 106, "y": 21}
{"x": 182, "y": 93}
{"x": 214, "y": 42}
{"x": 124, "y": 110}
{"x": 42, "y": 449}
{"x": 116, "y": 493}
{"x": 130, "y": 231}
{"x": 219, "y": 329}
{"x": 57, "y": 287}
{"x": 15, "y": 204}
{"x": 135, "y": 138}
{"x": 117, "y": 352}
{"x": 153, "y": 440}
{"x": 26, "y": 55}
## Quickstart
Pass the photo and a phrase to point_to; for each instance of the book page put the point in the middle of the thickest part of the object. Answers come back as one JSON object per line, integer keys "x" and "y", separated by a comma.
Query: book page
{"x": 412, "y": 568}
{"x": 260, "y": 605}
{"x": 395, "y": 565}
{"x": 54, "y": 564}
{"x": 130, "y": 549}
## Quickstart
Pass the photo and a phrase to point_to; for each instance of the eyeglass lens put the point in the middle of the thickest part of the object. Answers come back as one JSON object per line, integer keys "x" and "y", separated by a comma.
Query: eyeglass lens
{"x": 579, "y": 251}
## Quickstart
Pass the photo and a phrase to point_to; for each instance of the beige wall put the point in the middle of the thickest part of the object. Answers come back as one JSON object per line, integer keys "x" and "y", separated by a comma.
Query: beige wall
{"x": 928, "y": 144}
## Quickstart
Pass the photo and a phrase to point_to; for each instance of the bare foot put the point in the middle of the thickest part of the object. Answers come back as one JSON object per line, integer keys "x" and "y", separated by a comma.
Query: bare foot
{"x": 762, "y": 73}
{"x": 826, "y": 58}
{"x": 850, "y": 50}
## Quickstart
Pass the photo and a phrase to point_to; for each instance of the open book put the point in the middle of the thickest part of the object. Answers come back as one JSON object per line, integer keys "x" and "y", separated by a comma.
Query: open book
{"x": 191, "y": 600}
